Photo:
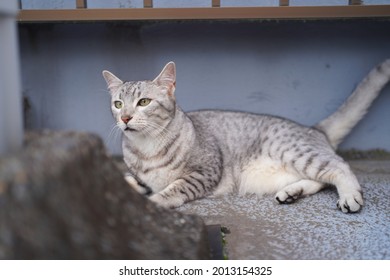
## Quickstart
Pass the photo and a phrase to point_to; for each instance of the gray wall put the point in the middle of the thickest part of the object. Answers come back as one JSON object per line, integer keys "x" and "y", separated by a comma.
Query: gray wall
{"x": 295, "y": 69}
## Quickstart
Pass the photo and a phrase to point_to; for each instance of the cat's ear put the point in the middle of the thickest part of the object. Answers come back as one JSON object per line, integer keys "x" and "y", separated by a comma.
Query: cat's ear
{"x": 167, "y": 76}
{"x": 113, "y": 82}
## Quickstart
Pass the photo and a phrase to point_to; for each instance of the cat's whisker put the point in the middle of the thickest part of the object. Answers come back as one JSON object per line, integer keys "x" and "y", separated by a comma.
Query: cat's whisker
{"x": 150, "y": 127}
{"x": 164, "y": 135}
{"x": 164, "y": 130}
{"x": 112, "y": 136}
{"x": 105, "y": 91}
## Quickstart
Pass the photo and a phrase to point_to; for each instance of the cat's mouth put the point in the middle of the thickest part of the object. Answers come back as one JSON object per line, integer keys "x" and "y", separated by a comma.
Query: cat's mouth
{"x": 129, "y": 129}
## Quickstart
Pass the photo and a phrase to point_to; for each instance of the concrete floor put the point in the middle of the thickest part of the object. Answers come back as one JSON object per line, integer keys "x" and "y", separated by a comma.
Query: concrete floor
{"x": 311, "y": 228}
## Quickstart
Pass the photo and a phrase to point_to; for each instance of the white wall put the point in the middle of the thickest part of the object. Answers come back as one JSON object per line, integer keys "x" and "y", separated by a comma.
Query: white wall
{"x": 299, "y": 70}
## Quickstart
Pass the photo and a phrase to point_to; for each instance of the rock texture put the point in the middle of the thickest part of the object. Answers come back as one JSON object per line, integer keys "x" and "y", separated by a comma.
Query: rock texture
{"x": 62, "y": 197}
{"x": 310, "y": 228}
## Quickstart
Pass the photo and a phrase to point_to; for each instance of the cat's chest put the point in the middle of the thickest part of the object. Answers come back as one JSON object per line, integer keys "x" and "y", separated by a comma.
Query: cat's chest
{"x": 156, "y": 173}
{"x": 158, "y": 179}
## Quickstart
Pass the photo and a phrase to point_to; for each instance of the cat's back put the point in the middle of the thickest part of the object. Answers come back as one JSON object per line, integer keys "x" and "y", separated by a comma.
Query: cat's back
{"x": 225, "y": 123}
{"x": 224, "y": 119}
{"x": 231, "y": 128}
{"x": 244, "y": 130}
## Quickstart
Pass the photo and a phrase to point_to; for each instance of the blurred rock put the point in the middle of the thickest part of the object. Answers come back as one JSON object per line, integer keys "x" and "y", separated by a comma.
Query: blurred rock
{"x": 62, "y": 197}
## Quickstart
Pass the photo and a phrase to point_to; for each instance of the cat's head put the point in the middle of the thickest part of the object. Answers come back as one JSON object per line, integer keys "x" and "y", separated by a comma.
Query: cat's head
{"x": 145, "y": 107}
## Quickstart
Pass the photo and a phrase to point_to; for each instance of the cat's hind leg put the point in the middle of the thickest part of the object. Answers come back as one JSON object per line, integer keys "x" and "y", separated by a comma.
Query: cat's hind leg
{"x": 335, "y": 171}
{"x": 293, "y": 191}
{"x": 350, "y": 193}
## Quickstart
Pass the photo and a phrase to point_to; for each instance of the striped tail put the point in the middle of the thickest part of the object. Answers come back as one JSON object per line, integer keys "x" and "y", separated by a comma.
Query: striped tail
{"x": 341, "y": 122}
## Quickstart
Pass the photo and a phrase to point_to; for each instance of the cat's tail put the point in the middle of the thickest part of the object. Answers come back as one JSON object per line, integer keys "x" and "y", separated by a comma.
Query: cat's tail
{"x": 341, "y": 122}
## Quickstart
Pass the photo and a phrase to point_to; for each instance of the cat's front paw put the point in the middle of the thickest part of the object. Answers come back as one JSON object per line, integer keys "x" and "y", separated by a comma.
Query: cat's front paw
{"x": 166, "y": 202}
{"x": 283, "y": 197}
{"x": 351, "y": 203}
{"x": 136, "y": 186}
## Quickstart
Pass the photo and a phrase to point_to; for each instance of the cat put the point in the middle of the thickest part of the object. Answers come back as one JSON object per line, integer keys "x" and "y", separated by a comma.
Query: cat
{"x": 176, "y": 157}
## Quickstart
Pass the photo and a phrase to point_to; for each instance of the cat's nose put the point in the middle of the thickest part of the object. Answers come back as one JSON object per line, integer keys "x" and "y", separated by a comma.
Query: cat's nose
{"x": 126, "y": 119}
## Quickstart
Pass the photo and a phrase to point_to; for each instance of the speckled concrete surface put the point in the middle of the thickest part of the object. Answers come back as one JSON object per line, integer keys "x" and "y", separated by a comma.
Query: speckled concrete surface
{"x": 311, "y": 228}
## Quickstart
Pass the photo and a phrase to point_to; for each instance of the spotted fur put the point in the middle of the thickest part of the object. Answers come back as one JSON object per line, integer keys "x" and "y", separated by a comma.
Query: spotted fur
{"x": 180, "y": 157}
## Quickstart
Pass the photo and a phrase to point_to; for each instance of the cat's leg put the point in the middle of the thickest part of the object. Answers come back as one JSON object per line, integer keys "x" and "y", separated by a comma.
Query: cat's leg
{"x": 348, "y": 188}
{"x": 140, "y": 188}
{"x": 325, "y": 168}
{"x": 338, "y": 173}
{"x": 292, "y": 192}
{"x": 187, "y": 188}
{"x": 170, "y": 197}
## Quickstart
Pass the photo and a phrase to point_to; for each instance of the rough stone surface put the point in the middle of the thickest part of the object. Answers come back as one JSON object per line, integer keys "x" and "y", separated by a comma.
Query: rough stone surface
{"x": 62, "y": 197}
{"x": 310, "y": 228}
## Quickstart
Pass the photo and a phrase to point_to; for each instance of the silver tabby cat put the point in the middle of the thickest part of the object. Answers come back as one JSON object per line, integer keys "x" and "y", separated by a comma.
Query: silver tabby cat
{"x": 180, "y": 157}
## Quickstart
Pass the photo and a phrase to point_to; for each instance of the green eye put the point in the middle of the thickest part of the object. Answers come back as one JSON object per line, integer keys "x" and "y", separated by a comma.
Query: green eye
{"x": 118, "y": 104}
{"x": 144, "y": 102}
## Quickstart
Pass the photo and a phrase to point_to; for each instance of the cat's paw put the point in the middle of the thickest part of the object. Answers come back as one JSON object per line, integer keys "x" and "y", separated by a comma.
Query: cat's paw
{"x": 170, "y": 202}
{"x": 284, "y": 197}
{"x": 292, "y": 192}
{"x": 351, "y": 203}
{"x": 136, "y": 186}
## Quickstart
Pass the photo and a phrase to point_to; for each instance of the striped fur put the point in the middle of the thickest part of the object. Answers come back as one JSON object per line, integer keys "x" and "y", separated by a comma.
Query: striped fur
{"x": 181, "y": 157}
{"x": 341, "y": 122}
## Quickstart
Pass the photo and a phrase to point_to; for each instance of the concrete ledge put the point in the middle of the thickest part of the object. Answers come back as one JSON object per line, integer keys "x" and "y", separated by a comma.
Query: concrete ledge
{"x": 311, "y": 228}
{"x": 62, "y": 197}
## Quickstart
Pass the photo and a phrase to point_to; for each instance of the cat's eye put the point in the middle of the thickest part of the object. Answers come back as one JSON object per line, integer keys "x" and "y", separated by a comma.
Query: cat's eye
{"x": 118, "y": 104}
{"x": 144, "y": 102}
